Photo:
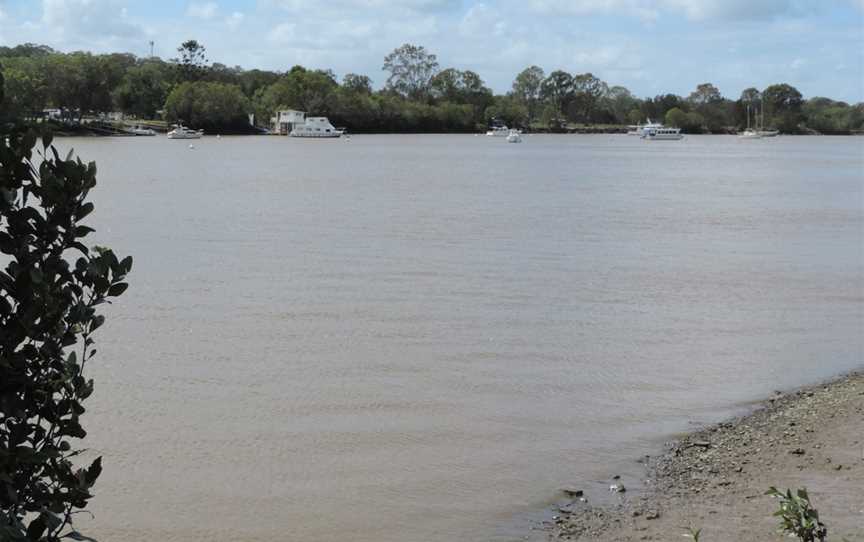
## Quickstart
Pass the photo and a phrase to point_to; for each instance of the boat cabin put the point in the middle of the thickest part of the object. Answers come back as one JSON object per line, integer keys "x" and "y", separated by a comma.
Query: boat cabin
{"x": 286, "y": 120}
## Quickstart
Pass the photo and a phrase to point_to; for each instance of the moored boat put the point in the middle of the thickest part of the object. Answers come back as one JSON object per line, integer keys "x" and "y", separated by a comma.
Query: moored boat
{"x": 640, "y": 129}
{"x": 141, "y": 131}
{"x": 182, "y": 132}
{"x": 315, "y": 127}
{"x": 663, "y": 134}
{"x": 295, "y": 123}
{"x": 749, "y": 133}
{"x": 498, "y": 129}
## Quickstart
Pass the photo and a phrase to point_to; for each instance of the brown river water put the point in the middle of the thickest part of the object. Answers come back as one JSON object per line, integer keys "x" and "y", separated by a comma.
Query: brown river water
{"x": 422, "y": 338}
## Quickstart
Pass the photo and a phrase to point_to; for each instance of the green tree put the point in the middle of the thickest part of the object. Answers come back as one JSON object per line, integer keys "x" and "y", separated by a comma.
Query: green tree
{"x": 620, "y": 102}
{"x": 783, "y": 104}
{"x": 656, "y": 108}
{"x": 705, "y": 94}
{"x": 27, "y": 87}
{"x": 312, "y": 91}
{"x": 557, "y": 91}
{"x": 690, "y": 123}
{"x": 28, "y": 50}
{"x": 48, "y": 315}
{"x": 2, "y": 95}
{"x": 709, "y": 103}
{"x": 588, "y": 90}
{"x": 508, "y": 109}
{"x": 144, "y": 89}
{"x": 827, "y": 116}
{"x": 446, "y": 85}
{"x": 526, "y": 89}
{"x": 192, "y": 62}
{"x": 750, "y": 96}
{"x": 357, "y": 84}
{"x": 208, "y": 105}
{"x": 252, "y": 80}
{"x": 411, "y": 70}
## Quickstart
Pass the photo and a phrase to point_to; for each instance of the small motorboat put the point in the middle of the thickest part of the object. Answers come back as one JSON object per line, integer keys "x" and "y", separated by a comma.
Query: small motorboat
{"x": 141, "y": 131}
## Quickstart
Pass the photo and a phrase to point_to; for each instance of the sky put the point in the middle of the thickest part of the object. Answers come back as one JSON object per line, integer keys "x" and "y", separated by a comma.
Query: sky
{"x": 649, "y": 46}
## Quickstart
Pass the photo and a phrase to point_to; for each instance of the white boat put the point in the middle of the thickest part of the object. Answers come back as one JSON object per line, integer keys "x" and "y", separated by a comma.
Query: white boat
{"x": 315, "y": 127}
{"x": 640, "y": 129}
{"x": 181, "y": 132}
{"x": 497, "y": 129}
{"x": 514, "y": 136}
{"x": 141, "y": 131}
{"x": 749, "y": 133}
{"x": 768, "y": 133}
{"x": 663, "y": 134}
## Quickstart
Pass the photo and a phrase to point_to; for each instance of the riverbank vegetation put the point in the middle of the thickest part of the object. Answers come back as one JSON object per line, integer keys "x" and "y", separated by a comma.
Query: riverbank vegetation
{"x": 51, "y": 289}
{"x": 419, "y": 95}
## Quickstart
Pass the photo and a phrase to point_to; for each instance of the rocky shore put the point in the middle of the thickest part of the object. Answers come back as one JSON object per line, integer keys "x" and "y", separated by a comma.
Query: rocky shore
{"x": 715, "y": 479}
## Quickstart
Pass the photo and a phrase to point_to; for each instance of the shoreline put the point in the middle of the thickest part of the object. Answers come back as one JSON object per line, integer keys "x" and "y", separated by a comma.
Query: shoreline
{"x": 715, "y": 478}
{"x": 601, "y": 131}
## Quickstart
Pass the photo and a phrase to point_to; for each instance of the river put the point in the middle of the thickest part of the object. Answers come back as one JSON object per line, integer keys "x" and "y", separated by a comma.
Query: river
{"x": 423, "y": 337}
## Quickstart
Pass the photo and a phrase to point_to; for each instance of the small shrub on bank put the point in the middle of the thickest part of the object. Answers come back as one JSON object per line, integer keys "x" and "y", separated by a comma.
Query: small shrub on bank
{"x": 797, "y": 515}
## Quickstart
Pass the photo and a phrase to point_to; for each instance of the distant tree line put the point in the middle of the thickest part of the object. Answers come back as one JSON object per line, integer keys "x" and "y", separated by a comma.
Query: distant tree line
{"x": 418, "y": 96}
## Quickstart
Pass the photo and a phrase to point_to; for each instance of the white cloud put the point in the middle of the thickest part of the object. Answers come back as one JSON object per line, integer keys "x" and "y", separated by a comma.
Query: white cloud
{"x": 360, "y": 5}
{"x": 480, "y": 20}
{"x": 696, "y": 10}
{"x": 644, "y": 9}
{"x": 206, "y": 10}
{"x": 234, "y": 20}
{"x": 76, "y": 19}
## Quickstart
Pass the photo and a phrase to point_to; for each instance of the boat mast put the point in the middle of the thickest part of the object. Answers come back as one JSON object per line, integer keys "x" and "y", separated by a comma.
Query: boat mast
{"x": 762, "y": 123}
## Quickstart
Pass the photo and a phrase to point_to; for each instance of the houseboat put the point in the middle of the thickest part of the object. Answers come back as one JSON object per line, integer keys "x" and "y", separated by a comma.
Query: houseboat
{"x": 297, "y": 124}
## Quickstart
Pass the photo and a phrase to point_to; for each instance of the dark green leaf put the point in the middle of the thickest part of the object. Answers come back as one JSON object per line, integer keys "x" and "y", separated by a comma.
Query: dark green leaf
{"x": 94, "y": 471}
{"x": 36, "y": 528}
{"x": 75, "y": 535}
{"x": 117, "y": 289}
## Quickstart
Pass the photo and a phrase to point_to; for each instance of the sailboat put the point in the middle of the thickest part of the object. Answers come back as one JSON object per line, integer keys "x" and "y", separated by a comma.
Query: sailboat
{"x": 748, "y": 133}
{"x": 762, "y": 131}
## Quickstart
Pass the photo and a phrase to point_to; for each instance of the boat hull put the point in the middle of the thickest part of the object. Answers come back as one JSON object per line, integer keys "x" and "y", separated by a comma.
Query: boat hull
{"x": 329, "y": 135}
{"x": 669, "y": 137}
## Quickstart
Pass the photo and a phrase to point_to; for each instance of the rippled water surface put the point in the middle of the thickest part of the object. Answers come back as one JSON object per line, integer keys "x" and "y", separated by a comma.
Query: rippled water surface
{"x": 421, "y": 338}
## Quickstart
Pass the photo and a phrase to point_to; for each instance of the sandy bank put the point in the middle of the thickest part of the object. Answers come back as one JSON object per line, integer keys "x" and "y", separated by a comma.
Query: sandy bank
{"x": 715, "y": 479}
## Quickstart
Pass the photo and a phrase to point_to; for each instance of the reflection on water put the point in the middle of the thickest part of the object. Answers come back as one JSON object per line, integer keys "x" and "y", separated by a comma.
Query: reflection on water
{"x": 399, "y": 338}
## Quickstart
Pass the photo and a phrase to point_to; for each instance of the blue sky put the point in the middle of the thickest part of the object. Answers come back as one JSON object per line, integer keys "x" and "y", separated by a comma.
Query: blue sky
{"x": 649, "y": 46}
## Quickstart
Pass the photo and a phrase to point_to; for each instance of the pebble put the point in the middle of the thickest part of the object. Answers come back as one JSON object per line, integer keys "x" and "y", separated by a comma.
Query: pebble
{"x": 571, "y": 492}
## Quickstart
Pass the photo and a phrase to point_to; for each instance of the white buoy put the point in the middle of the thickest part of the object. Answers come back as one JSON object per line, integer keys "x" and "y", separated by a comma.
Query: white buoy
{"x": 191, "y": 146}
{"x": 218, "y": 136}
